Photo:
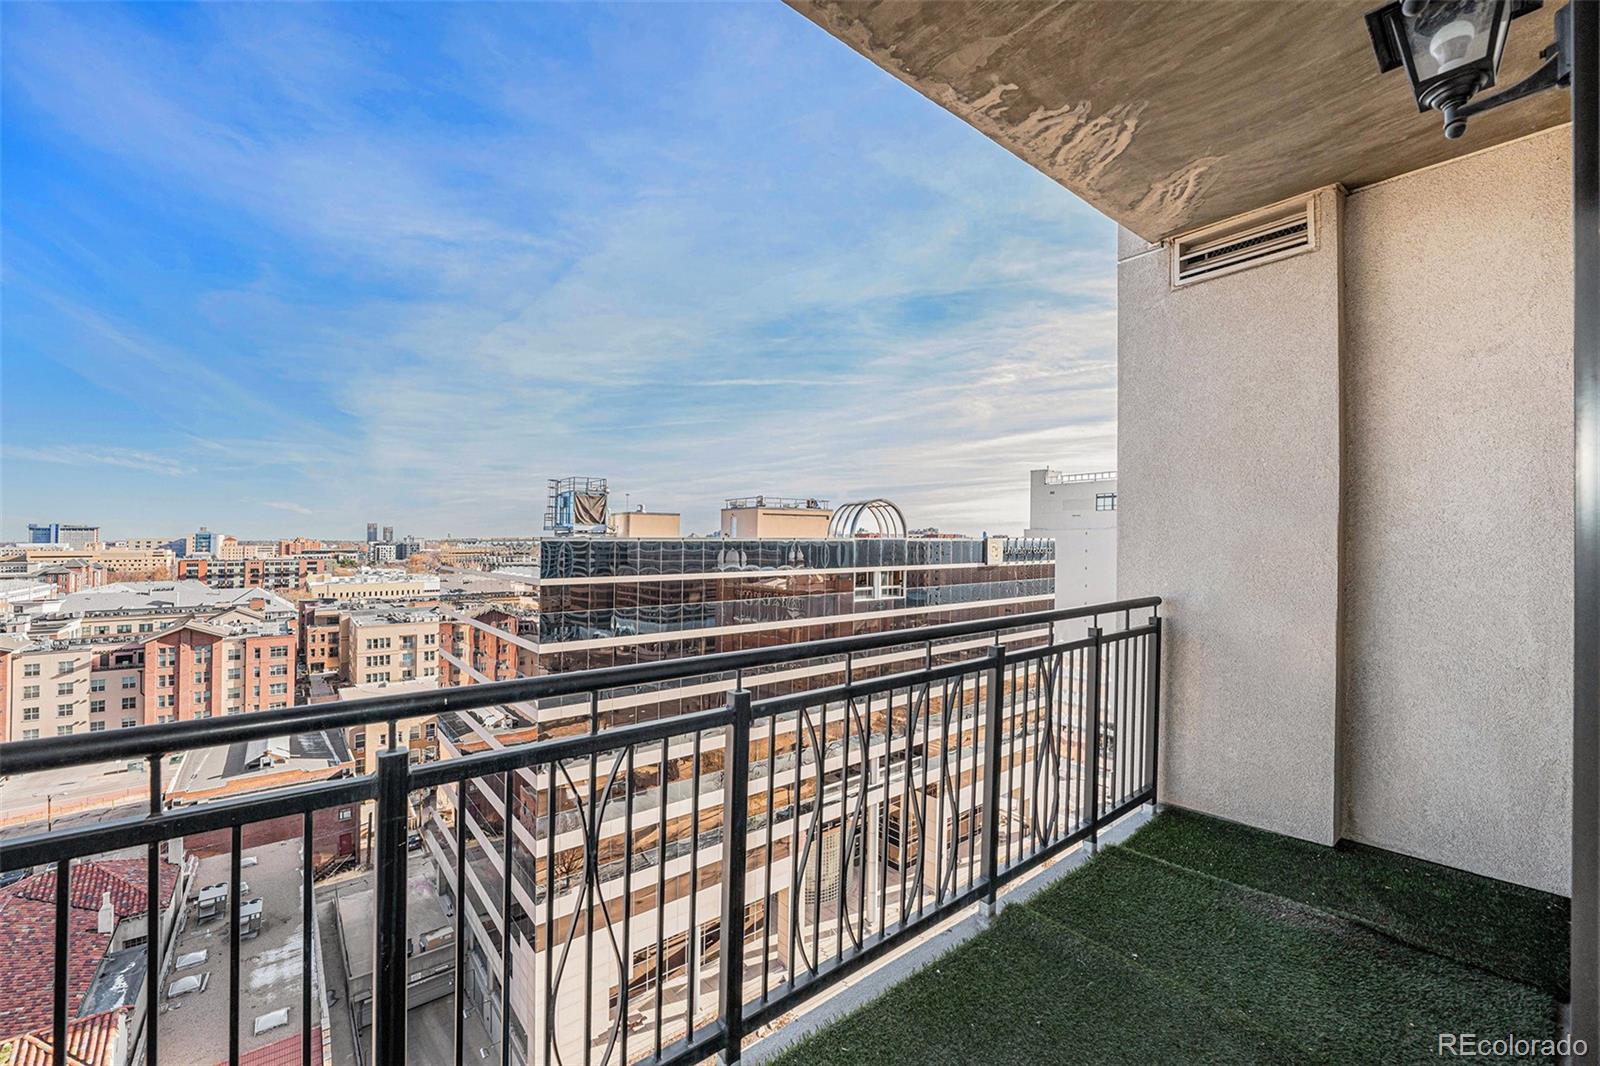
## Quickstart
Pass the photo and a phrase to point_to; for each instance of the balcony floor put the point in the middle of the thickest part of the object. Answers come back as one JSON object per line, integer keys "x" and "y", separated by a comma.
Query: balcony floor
{"x": 1201, "y": 941}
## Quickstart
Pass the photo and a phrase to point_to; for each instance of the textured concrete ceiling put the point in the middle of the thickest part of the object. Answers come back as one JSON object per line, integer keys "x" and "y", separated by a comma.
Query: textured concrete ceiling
{"x": 1170, "y": 114}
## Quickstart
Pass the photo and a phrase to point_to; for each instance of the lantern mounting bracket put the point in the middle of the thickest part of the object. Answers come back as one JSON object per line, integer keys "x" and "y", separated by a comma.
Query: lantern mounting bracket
{"x": 1555, "y": 73}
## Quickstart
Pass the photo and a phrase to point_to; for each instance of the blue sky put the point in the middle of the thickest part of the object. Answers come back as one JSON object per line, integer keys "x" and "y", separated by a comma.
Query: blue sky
{"x": 287, "y": 269}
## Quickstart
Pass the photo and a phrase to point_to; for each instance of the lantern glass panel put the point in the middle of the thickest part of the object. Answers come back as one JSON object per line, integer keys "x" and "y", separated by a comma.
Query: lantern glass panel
{"x": 1447, "y": 37}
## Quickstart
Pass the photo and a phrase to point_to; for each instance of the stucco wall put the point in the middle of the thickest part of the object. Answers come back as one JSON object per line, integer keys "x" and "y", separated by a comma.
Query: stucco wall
{"x": 1228, "y": 463}
{"x": 1458, "y": 564}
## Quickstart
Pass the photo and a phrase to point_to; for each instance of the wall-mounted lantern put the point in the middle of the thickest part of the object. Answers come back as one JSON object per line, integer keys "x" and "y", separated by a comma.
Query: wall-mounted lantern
{"x": 1451, "y": 51}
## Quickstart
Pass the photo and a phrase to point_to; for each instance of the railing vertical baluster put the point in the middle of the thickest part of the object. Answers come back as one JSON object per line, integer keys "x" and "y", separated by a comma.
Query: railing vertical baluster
{"x": 945, "y": 689}
{"x": 58, "y": 1011}
{"x": 591, "y": 874}
{"x": 1136, "y": 702}
{"x": 735, "y": 828}
{"x": 306, "y": 903}
{"x": 1013, "y": 734}
{"x": 692, "y": 943}
{"x": 1153, "y": 698}
{"x": 1118, "y": 682}
{"x": 766, "y": 897}
{"x": 389, "y": 925}
{"x": 996, "y": 667}
{"x": 861, "y": 830}
{"x": 1093, "y": 704}
{"x": 661, "y": 899}
{"x": 796, "y": 875}
{"x": 842, "y": 904}
{"x": 550, "y": 919}
{"x": 626, "y": 977}
{"x": 820, "y": 842}
{"x": 883, "y": 811}
{"x": 508, "y": 796}
{"x": 459, "y": 1040}
{"x": 1125, "y": 728}
{"x": 905, "y": 799}
{"x": 152, "y": 921}
{"x": 972, "y": 793}
{"x": 235, "y": 904}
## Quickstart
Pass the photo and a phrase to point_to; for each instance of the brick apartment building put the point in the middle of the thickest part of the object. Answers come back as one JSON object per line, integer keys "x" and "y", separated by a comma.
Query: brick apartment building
{"x": 271, "y": 572}
{"x": 383, "y": 646}
{"x": 131, "y": 655}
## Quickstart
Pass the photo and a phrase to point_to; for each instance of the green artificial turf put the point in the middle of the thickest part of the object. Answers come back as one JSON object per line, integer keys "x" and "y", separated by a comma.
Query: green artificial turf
{"x": 1170, "y": 950}
{"x": 1515, "y": 932}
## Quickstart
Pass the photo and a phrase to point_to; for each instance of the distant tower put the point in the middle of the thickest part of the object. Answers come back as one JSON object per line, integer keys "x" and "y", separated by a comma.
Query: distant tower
{"x": 388, "y": 534}
{"x": 372, "y": 532}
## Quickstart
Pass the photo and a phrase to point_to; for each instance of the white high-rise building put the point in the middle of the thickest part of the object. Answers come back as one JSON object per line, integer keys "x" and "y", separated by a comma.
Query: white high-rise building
{"x": 1080, "y": 512}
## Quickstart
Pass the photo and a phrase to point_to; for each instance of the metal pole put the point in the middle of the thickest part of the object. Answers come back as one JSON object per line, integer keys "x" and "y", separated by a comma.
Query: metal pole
{"x": 1585, "y": 975}
{"x": 735, "y": 828}
{"x": 153, "y": 931}
{"x": 1153, "y": 693}
{"x": 389, "y": 926}
{"x": 995, "y": 667}
{"x": 1093, "y": 696}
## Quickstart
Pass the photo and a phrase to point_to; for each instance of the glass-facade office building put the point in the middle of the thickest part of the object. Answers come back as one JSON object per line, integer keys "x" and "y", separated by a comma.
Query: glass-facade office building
{"x": 614, "y": 601}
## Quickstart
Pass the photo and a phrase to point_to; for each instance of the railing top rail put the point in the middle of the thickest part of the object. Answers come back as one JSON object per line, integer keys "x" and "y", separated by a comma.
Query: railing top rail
{"x": 100, "y": 837}
{"x": 1056, "y": 477}
{"x": 144, "y": 741}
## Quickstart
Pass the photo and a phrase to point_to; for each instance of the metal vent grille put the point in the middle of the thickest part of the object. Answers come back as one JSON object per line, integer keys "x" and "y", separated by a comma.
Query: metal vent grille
{"x": 1241, "y": 243}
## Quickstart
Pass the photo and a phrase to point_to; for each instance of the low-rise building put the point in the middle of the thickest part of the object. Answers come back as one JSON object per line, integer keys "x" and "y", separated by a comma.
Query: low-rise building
{"x": 319, "y": 632}
{"x": 763, "y": 517}
{"x": 419, "y": 734}
{"x": 430, "y": 964}
{"x": 387, "y": 645}
{"x": 373, "y": 585}
{"x": 108, "y": 914}
{"x": 140, "y": 653}
{"x": 94, "y": 1040}
{"x": 273, "y": 572}
{"x": 642, "y": 523}
{"x": 223, "y": 772}
{"x": 194, "y": 993}
{"x": 66, "y": 534}
{"x": 135, "y": 564}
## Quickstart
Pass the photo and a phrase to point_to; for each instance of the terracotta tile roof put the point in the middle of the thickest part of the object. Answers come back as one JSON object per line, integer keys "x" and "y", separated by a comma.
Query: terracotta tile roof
{"x": 27, "y": 935}
{"x": 92, "y": 878}
{"x": 91, "y": 1041}
{"x": 285, "y": 1052}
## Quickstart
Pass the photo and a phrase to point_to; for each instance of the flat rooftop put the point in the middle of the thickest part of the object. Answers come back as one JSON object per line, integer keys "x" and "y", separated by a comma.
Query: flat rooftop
{"x": 424, "y": 912}
{"x": 167, "y": 595}
{"x": 194, "y": 1027}
{"x": 238, "y": 767}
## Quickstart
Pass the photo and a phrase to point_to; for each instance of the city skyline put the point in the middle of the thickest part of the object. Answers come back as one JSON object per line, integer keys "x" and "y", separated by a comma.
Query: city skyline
{"x": 284, "y": 275}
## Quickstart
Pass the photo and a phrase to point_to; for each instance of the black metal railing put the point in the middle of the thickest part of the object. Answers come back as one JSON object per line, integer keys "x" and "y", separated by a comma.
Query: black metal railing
{"x": 649, "y": 921}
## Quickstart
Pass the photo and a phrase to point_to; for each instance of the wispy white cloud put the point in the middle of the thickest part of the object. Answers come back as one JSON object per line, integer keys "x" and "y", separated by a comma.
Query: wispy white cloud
{"x": 676, "y": 257}
{"x": 70, "y": 455}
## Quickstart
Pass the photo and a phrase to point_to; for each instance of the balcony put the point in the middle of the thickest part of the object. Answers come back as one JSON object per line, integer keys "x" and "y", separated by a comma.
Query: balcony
{"x": 684, "y": 881}
{"x": 1199, "y": 940}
